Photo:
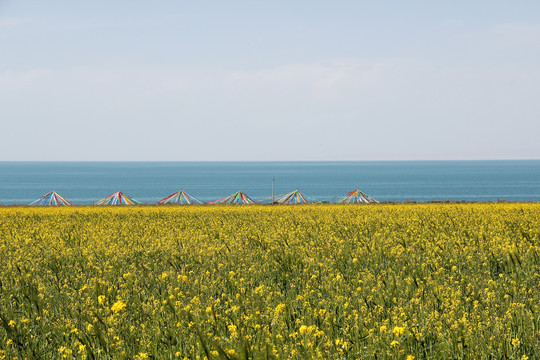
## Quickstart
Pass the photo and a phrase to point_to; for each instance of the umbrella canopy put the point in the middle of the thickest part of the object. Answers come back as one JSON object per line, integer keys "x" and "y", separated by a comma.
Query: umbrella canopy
{"x": 356, "y": 197}
{"x": 236, "y": 198}
{"x": 294, "y": 197}
{"x": 52, "y": 198}
{"x": 118, "y": 198}
{"x": 179, "y": 197}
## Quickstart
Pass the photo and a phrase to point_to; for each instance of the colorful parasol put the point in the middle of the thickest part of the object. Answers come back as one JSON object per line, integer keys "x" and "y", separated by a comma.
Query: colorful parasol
{"x": 356, "y": 197}
{"x": 236, "y": 198}
{"x": 294, "y": 197}
{"x": 179, "y": 197}
{"x": 118, "y": 198}
{"x": 52, "y": 198}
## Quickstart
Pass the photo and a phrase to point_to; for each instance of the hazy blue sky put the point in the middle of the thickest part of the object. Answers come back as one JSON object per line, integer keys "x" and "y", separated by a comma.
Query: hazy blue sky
{"x": 275, "y": 80}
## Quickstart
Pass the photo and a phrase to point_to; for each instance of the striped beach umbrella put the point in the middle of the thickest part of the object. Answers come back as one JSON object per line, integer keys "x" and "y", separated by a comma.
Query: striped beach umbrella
{"x": 52, "y": 198}
{"x": 118, "y": 198}
{"x": 356, "y": 197}
{"x": 294, "y": 197}
{"x": 236, "y": 198}
{"x": 179, "y": 197}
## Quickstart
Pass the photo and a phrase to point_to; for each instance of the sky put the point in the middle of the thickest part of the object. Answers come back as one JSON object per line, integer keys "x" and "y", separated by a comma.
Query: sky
{"x": 269, "y": 81}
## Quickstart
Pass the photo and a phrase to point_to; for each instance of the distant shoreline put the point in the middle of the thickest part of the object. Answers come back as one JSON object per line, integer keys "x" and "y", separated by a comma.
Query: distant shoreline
{"x": 409, "y": 202}
{"x": 256, "y": 161}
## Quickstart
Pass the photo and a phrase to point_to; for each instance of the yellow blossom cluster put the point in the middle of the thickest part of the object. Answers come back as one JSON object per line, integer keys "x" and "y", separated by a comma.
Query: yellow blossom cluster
{"x": 404, "y": 281}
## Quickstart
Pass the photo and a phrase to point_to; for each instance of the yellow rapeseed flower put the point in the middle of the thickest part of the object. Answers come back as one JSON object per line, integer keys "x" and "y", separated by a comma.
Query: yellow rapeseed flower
{"x": 431, "y": 269}
{"x": 398, "y": 330}
{"x": 233, "y": 331}
{"x": 118, "y": 306}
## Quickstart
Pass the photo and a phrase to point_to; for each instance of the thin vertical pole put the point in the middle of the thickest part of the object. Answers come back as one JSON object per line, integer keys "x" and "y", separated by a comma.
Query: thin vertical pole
{"x": 273, "y": 189}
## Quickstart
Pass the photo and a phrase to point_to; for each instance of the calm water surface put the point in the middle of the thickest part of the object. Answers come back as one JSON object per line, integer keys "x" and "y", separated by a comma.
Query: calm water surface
{"x": 87, "y": 182}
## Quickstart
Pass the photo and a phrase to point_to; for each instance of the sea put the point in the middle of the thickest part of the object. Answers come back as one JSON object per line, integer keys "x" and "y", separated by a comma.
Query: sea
{"x": 394, "y": 181}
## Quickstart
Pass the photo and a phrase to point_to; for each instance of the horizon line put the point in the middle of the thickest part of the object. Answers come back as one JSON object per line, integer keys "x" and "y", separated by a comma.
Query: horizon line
{"x": 262, "y": 161}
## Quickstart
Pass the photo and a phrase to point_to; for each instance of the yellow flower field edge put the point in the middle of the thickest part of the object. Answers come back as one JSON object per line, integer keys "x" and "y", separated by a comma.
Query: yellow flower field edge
{"x": 422, "y": 281}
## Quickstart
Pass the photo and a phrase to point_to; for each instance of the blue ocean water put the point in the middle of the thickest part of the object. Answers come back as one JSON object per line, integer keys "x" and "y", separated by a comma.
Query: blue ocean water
{"x": 87, "y": 182}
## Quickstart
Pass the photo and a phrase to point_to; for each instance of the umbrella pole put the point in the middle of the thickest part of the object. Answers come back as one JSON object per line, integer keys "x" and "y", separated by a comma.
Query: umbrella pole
{"x": 273, "y": 180}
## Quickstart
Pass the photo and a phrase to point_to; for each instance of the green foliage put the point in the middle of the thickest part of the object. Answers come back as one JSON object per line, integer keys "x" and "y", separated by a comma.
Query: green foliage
{"x": 432, "y": 281}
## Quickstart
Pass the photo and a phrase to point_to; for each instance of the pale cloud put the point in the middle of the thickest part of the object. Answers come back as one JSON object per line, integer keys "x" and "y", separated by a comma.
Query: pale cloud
{"x": 13, "y": 22}
{"x": 417, "y": 100}
{"x": 322, "y": 80}
{"x": 34, "y": 75}
{"x": 517, "y": 29}
{"x": 452, "y": 22}
{"x": 10, "y": 80}
{"x": 517, "y": 34}
{"x": 319, "y": 80}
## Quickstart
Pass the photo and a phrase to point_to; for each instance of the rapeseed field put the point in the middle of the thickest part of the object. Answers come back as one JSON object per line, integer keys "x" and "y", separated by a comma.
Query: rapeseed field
{"x": 419, "y": 281}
